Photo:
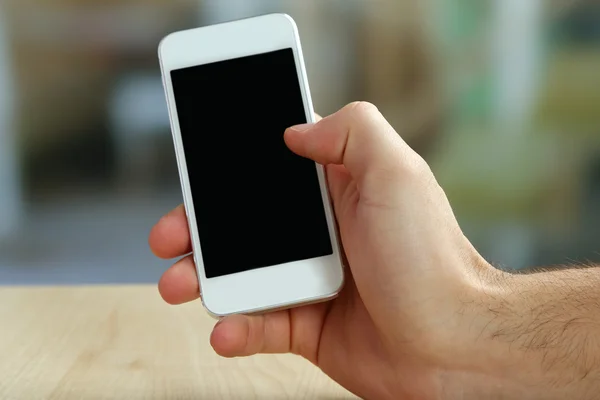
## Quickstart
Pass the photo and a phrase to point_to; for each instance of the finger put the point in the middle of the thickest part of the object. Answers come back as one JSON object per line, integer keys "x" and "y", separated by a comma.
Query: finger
{"x": 240, "y": 335}
{"x": 357, "y": 136}
{"x": 179, "y": 284}
{"x": 296, "y": 331}
{"x": 170, "y": 237}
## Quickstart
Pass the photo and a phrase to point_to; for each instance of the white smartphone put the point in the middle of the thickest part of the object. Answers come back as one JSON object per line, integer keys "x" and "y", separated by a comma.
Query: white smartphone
{"x": 261, "y": 221}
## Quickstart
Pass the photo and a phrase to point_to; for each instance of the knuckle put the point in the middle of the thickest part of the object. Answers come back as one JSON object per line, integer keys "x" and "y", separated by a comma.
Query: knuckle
{"x": 419, "y": 168}
{"x": 362, "y": 109}
{"x": 413, "y": 168}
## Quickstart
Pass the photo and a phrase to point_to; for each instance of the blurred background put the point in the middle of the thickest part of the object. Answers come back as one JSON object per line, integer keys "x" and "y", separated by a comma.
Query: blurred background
{"x": 502, "y": 97}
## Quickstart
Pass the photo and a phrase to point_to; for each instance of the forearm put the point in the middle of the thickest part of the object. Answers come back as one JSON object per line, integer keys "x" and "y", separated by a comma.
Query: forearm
{"x": 540, "y": 333}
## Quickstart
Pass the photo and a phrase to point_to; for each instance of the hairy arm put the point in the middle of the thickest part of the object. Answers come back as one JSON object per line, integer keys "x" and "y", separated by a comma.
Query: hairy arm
{"x": 538, "y": 334}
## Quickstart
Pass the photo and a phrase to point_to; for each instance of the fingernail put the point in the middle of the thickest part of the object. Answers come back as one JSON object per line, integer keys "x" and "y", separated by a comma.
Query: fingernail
{"x": 302, "y": 127}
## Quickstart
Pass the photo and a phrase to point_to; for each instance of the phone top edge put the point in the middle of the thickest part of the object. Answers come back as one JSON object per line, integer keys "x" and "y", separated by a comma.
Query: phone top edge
{"x": 219, "y": 25}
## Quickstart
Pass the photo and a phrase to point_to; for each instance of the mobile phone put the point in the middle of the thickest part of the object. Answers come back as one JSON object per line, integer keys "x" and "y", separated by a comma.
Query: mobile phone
{"x": 260, "y": 217}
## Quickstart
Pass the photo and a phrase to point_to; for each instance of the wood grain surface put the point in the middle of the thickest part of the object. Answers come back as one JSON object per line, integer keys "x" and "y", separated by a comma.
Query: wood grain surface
{"x": 125, "y": 343}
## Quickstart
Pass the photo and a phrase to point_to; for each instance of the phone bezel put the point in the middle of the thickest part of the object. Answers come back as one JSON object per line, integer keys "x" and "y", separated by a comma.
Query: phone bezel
{"x": 278, "y": 286}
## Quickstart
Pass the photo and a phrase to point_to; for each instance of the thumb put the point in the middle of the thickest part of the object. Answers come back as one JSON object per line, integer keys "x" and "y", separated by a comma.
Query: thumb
{"x": 358, "y": 137}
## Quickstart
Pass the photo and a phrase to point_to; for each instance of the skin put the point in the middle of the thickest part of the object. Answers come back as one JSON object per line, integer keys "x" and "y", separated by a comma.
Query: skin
{"x": 422, "y": 315}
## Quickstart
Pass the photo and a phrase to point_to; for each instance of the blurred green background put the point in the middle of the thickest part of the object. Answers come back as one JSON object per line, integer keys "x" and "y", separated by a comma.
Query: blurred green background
{"x": 502, "y": 97}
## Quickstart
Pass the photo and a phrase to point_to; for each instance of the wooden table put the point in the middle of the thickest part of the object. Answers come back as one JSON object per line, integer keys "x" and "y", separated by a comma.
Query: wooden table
{"x": 125, "y": 343}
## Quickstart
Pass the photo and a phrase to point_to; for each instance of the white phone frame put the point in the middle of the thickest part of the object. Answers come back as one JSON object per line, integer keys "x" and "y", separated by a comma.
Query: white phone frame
{"x": 278, "y": 286}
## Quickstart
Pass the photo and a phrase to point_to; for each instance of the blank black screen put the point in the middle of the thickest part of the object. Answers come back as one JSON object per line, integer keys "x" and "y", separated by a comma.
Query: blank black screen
{"x": 257, "y": 204}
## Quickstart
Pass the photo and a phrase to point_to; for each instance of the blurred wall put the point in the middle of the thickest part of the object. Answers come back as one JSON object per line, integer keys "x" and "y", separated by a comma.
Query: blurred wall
{"x": 10, "y": 176}
{"x": 500, "y": 96}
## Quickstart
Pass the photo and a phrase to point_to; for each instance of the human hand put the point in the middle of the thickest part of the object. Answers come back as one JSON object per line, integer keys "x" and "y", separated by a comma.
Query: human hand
{"x": 400, "y": 327}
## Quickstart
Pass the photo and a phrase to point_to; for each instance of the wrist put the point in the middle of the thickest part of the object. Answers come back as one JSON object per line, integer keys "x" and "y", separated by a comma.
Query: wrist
{"x": 530, "y": 336}
{"x": 477, "y": 363}
{"x": 483, "y": 308}
{"x": 473, "y": 359}
{"x": 466, "y": 360}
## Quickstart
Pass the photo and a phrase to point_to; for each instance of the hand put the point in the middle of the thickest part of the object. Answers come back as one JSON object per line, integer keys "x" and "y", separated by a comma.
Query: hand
{"x": 400, "y": 327}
